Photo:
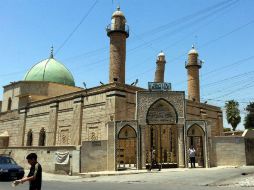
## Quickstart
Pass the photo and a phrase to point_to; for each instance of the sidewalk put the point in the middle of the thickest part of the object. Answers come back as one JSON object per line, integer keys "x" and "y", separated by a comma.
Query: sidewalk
{"x": 81, "y": 176}
{"x": 114, "y": 173}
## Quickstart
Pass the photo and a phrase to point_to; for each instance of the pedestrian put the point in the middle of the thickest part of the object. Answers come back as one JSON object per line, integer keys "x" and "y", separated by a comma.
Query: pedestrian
{"x": 192, "y": 153}
{"x": 35, "y": 174}
{"x": 153, "y": 158}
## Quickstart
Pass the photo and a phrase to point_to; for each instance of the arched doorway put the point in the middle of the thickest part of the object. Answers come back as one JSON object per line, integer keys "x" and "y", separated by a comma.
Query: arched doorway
{"x": 127, "y": 148}
{"x": 161, "y": 135}
{"x": 196, "y": 138}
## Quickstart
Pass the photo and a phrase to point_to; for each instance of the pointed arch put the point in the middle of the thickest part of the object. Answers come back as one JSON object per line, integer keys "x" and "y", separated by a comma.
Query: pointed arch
{"x": 195, "y": 130}
{"x": 161, "y": 112}
{"x": 127, "y": 132}
{"x": 42, "y": 137}
{"x": 196, "y": 138}
{"x": 29, "y": 141}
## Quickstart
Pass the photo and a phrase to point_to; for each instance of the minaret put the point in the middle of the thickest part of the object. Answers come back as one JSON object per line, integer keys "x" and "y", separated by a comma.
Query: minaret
{"x": 193, "y": 65}
{"x": 160, "y": 67}
{"x": 117, "y": 31}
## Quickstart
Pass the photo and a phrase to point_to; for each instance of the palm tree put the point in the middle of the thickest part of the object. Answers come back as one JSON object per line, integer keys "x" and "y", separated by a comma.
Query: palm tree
{"x": 233, "y": 113}
{"x": 249, "y": 118}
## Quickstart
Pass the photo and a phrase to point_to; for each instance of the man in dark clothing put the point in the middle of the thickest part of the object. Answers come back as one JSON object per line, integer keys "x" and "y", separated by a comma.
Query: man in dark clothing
{"x": 35, "y": 174}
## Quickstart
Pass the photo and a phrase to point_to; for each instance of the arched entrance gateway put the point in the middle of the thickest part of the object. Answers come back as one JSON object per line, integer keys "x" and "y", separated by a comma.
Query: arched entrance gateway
{"x": 197, "y": 137}
{"x": 161, "y": 120}
{"x": 161, "y": 135}
{"x": 126, "y": 145}
{"x": 127, "y": 148}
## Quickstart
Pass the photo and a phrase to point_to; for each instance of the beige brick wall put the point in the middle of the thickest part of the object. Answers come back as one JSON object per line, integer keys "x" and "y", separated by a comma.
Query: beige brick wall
{"x": 64, "y": 123}
{"x": 213, "y": 115}
{"x": 27, "y": 91}
{"x": 11, "y": 92}
{"x": 36, "y": 123}
{"x": 12, "y": 128}
{"x": 46, "y": 157}
{"x": 228, "y": 151}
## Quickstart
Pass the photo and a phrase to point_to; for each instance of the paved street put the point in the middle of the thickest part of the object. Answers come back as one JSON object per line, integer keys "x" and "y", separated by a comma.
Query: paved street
{"x": 213, "y": 178}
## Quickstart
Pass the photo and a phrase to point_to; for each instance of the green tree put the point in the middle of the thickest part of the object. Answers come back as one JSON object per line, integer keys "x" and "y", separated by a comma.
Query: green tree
{"x": 249, "y": 118}
{"x": 233, "y": 113}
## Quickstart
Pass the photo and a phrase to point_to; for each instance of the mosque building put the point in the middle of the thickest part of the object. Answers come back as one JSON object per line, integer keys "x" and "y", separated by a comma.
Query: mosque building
{"x": 113, "y": 126}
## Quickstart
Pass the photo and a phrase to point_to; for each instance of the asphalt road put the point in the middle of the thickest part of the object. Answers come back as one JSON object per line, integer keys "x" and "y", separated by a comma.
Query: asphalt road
{"x": 182, "y": 179}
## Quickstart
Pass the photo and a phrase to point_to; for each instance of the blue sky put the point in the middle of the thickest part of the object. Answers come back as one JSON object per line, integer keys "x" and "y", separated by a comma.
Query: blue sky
{"x": 222, "y": 32}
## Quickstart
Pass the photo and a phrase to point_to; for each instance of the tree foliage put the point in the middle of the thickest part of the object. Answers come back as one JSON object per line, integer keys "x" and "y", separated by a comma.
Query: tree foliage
{"x": 233, "y": 113}
{"x": 249, "y": 118}
{"x": 226, "y": 129}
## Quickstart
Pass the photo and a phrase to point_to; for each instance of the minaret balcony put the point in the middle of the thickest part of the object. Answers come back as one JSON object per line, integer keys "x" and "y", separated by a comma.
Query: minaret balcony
{"x": 113, "y": 28}
{"x": 199, "y": 64}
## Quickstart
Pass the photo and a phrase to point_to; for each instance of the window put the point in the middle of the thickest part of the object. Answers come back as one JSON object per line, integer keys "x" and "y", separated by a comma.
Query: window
{"x": 42, "y": 137}
{"x": 9, "y": 104}
{"x": 29, "y": 141}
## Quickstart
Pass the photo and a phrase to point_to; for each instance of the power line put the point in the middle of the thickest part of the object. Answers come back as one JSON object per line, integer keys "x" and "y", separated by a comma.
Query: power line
{"x": 76, "y": 28}
{"x": 184, "y": 24}
{"x": 212, "y": 41}
{"x": 249, "y": 85}
{"x": 229, "y": 78}
{"x": 189, "y": 17}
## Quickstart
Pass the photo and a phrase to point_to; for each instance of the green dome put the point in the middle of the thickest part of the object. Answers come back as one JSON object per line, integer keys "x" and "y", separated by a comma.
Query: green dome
{"x": 50, "y": 70}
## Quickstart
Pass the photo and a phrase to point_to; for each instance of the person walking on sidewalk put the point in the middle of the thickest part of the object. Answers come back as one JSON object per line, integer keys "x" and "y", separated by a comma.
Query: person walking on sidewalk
{"x": 192, "y": 154}
{"x": 35, "y": 174}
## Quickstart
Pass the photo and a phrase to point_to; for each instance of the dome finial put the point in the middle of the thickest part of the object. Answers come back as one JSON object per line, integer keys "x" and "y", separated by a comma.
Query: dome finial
{"x": 52, "y": 52}
{"x": 118, "y": 8}
{"x": 193, "y": 47}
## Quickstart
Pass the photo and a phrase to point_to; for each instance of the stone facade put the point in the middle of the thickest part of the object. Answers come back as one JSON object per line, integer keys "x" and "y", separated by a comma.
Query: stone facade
{"x": 84, "y": 116}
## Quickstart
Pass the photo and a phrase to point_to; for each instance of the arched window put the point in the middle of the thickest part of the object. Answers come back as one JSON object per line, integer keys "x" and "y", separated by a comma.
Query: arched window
{"x": 9, "y": 104}
{"x": 29, "y": 141}
{"x": 42, "y": 137}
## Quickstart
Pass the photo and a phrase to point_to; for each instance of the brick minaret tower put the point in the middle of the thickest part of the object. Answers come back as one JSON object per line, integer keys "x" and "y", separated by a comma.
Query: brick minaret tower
{"x": 160, "y": 68}
{"x": 117, "y": 31}
{"x": 193, "y": 65}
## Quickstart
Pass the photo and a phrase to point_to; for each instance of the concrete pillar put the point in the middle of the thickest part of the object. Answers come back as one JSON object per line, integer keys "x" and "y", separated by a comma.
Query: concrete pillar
{"x": 206, "y": 150}
{"x": 142, "y": 148}
{"x": 77, "y": 121}
{"x": 160, "y": 68}
{"x": 111, "y": 148}
{"x": 53, "y": 115}
{"x": 220, "y": 123}
{"x": 181, "y": 147}
{"x": 22, "y": 126}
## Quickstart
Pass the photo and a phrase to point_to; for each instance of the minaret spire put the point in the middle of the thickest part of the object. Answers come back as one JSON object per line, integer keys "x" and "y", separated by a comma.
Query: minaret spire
{"x": 52, "y": 52}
